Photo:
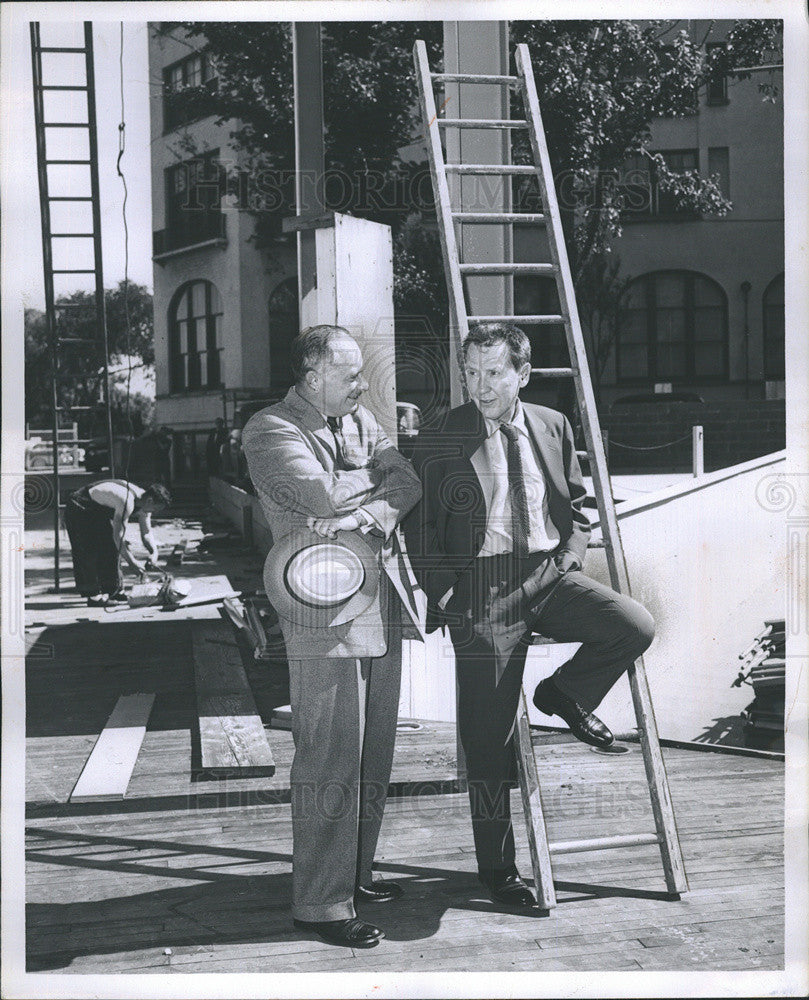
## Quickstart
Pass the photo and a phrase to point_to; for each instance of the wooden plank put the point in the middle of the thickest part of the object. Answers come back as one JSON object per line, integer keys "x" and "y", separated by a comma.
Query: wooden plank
{"x": 204, "y": 589}
{"x": 111, "y": 762}
{"x": 449, "y": 248}
{"x": 532, "y": 807}
{"x": 233, "y": 742}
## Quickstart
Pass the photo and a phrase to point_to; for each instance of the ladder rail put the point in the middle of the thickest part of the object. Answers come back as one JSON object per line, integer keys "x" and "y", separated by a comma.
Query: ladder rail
{"x": 449, "y": 248}
{"x": 662, "y": 807}
{"x": 47, "y": 260}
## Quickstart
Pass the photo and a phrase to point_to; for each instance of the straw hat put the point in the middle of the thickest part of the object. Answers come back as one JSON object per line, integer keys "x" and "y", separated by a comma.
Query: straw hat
{"x": 319, "y": 582}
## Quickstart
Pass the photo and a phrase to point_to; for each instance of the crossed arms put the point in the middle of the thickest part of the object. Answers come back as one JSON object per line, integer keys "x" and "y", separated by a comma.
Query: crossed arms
{"x": 286, "y": 471}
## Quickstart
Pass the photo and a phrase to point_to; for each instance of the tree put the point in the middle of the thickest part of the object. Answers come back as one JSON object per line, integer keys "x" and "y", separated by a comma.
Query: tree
{"x": 602, "y": 84}
{"x": 130, "y": 333}
{"x": 369, "y": 109}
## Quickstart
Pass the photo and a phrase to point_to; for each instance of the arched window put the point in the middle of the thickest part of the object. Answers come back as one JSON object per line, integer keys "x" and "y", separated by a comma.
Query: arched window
{"x": 195, "y": 337}
{"x": 673, "y": 325}
{"x": 284, "y": 327}
{"x": 773, "y": 305}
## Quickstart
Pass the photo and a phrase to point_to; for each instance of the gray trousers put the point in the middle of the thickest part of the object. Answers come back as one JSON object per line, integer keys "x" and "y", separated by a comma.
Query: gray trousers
{"x": 613, "y": 630}
{"x": 344, "y": 715}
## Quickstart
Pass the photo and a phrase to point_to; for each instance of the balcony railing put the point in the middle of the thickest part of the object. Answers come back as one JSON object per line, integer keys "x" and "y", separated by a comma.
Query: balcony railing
{"x": 188, "y": 231}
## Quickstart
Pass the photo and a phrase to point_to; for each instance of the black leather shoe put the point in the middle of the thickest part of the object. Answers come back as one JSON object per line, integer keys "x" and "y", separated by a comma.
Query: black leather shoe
{"x": 584, "y": 725}
{"x": 351, "y": 933}
{"x": 378, "y": 892}
{"x": 508, "y": 888}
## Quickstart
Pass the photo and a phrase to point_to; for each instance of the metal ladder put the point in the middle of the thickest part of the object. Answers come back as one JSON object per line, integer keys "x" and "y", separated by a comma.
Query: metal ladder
{"x": 95, "y": 356}
{"x": 665, "y": 832}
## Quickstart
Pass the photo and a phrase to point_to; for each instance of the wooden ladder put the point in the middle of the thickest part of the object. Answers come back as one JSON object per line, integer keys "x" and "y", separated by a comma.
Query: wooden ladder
{"x": 665, "y": 832}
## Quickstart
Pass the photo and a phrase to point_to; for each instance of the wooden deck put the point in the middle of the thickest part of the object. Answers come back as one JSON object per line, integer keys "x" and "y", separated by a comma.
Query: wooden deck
{"x": 195, "y": 876}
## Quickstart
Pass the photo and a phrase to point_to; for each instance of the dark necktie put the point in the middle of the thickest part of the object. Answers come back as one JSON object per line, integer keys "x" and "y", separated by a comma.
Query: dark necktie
{"x": 516, "y": 491}
{"x": 336, "y": 427}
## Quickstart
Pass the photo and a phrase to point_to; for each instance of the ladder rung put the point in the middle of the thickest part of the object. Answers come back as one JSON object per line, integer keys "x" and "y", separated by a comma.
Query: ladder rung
{"x": 61, "y": 86}
{"x": 78, "y": 340}
{"x": 65, "y": 124}
{"x": 69, "y": 197}
{"x": 500, "y": 123}
{"x": 60, "y": 48}
{"x": 598, "y": 543}
{"x": 506, "y": 268}
{"x": 553, "y": 372}
{"x": 74, "y": 270}
{"x": 494, "y": 218}
{"x": 70, "y": 305}
{"x": 473, "y": 78}
{"x": 602, "y": 843}
{"x": 69, "y": 409}
{"x": 583, "y": 454}
{"x": 535, "y": 320}
{"x": 72, "y": 236}
{"x": 490, "y": 168}
{"x": 75, "y": 163}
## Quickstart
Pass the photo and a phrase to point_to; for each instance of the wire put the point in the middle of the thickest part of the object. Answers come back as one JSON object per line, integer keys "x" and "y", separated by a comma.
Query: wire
{"x": 652, "y": 447}
{"x": 127, "y": 321}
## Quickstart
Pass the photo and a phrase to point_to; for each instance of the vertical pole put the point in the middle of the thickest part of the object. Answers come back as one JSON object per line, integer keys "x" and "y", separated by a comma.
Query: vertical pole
{"x": 100, "y": 304}
{"x": 310, "y": 157}
{"x": 697, "y": 451}
{"x": 47, "y": 260}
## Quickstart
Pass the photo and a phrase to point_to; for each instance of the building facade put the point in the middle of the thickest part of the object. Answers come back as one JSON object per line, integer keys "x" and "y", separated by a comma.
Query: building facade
{"x": 224, "y": 310}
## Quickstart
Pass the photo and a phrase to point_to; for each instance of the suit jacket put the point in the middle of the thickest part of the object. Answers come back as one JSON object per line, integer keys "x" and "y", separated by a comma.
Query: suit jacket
{"x": 290, "y": 454}
{"x": 445, "y": 532}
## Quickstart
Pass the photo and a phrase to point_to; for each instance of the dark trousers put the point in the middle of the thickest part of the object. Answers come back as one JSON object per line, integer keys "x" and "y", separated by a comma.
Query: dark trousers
{"x": 614, "y": 631}
{"x": 96, "y": 565}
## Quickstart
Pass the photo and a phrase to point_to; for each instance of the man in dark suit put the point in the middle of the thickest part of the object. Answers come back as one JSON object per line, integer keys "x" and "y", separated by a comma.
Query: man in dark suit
{"x": 497, "y": 544}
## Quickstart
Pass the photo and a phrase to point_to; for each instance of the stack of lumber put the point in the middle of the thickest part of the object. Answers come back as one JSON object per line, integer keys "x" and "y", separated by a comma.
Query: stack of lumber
{"x": 764, "y": 667}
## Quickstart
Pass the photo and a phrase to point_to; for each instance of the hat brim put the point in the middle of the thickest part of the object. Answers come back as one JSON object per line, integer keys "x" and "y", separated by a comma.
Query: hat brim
{"x": 316, "y": 582}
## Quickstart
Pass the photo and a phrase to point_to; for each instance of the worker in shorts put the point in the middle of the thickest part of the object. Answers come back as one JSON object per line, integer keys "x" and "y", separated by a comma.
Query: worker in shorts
{"x": 96, "y": 517}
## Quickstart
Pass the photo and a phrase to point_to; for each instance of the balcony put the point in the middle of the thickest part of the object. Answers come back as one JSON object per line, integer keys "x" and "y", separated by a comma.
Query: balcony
{"x": 191, "y": 231}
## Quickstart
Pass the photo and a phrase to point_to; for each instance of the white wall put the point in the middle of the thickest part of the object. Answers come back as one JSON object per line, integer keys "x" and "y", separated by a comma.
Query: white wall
{"x": 708, "y": 560}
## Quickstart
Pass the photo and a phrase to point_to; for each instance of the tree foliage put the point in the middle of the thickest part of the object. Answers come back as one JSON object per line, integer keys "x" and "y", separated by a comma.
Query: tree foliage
{"x": 369, "y": 91}
{"x": 601, "y": 86}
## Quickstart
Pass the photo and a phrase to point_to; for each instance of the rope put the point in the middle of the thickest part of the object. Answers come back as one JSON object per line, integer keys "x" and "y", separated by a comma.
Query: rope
{"x": 651, "y": 447}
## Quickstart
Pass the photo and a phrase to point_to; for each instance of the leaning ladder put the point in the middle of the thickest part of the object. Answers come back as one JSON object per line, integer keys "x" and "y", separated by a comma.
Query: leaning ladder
{"x": 665, "y": 832}
{"x": 69, "y": 70}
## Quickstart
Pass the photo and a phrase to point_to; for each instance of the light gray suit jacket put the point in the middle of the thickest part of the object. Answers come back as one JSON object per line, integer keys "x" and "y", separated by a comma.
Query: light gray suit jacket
{"x": 290, "y": 454}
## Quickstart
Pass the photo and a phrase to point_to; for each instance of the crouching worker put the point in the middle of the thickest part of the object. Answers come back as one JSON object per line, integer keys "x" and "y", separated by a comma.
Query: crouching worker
{"x": 96, "y": 518}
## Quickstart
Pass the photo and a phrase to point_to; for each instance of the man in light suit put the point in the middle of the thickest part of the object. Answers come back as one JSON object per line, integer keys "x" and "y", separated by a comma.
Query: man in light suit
{"x": 321, "y": 463}
{"x": 497, "y": 544}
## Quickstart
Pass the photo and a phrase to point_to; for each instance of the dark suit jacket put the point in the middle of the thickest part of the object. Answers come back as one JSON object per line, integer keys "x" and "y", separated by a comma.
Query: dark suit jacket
{"x": 445, "y": 532}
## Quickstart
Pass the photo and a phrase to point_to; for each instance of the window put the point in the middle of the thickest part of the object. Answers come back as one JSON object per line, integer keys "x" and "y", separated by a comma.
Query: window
{"x": 718, "y": 82}
{"x": 194, "y": 191}
{"x": 538, "y": 296}
{"x": 183, "y": 101}
{"x": 284, "y": 327}
{"x": 773, "y": 303}
{"x": 640, "y": 185}
{"x": 672, "y": 326}
{"x": 719, "y": 163}
{"x": 195, "y": 338}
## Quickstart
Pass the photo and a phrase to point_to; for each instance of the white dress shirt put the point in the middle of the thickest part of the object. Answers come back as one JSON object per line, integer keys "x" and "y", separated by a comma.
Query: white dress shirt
{"x": 490, "y": 462}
